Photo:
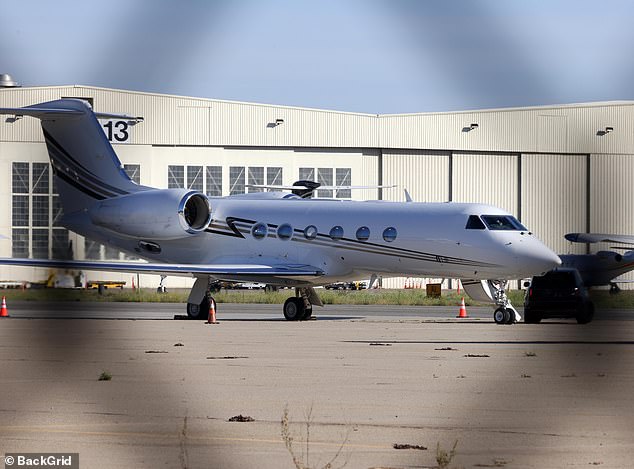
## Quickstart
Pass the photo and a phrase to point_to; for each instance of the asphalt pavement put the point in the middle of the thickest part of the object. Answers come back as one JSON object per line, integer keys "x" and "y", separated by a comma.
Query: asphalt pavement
{"x": 355, "y": 381}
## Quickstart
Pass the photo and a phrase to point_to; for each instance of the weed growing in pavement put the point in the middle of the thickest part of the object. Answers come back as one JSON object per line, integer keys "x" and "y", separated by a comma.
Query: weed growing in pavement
{"x": 105, "y": 376}
{"x": 444, "y": 458}
{"x": 302, "y": 460}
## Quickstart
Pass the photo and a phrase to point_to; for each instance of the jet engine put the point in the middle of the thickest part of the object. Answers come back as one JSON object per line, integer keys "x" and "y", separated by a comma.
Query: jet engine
{"x": 154, "y": 214}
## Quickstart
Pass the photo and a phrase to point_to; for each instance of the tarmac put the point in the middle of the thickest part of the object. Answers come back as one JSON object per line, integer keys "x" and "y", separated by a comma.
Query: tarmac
{"x": 355, "y": 381}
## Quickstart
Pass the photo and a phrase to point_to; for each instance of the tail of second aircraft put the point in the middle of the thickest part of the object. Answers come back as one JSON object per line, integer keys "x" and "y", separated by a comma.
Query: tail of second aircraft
{"x": 84, "y": 163}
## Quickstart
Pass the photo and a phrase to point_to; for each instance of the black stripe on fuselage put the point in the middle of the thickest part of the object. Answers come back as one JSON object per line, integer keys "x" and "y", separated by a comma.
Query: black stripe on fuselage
{"x": 346, "y": 244}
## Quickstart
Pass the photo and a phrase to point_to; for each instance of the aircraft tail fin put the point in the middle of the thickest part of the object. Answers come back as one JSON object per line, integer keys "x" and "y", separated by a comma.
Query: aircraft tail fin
{"x": 85, "y": 165}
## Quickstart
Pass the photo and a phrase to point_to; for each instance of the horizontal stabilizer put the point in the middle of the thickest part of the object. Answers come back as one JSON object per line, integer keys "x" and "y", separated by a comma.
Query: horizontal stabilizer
{"x": 41, "y": 112}
{"x": 186, "y": 270}
{"x": 51, "y": 112}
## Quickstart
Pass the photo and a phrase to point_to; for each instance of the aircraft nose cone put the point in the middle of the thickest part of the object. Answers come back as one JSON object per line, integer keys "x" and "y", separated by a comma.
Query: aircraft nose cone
{"x": 542, "y": 259}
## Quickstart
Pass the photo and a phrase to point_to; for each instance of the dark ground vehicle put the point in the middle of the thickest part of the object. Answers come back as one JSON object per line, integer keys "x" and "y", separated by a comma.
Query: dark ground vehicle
{"x": 559, "y": 293}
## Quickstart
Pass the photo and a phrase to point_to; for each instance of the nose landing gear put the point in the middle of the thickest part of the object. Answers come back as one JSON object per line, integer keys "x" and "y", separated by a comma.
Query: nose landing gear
{"x": 493, "y": 291}
{"x": 505, "y": 313}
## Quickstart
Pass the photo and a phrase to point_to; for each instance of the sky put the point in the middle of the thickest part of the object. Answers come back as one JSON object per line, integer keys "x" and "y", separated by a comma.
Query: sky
{"x": 371, "y": 56}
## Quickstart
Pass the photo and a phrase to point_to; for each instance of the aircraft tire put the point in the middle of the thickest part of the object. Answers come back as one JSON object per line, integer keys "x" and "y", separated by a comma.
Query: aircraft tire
{"x": 201, "y": 311}
{"x": 501, "y": 315}
{"x": 294, "y": 309}
{"x": 511, "y": 316}
{"x": 308, "y": 312}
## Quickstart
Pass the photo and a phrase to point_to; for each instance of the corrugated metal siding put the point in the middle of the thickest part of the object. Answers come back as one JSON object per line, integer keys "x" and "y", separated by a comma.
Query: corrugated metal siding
{"x": 415, "y": 283}
{"x": 424, "y": 174}
{"x": 515, "y": 129}
{"x": 554, "y": 198}
{"x": 251, "y": 124}
{"x": 489, "y": 179}
{"x": 193, "y": 125}
{"x": 552, "y": 132}
{"x": 233, "y": 123}
{"x": 495, "y": 132}
{"x": 611, "y": 196}
{"x": 369, "y": 176}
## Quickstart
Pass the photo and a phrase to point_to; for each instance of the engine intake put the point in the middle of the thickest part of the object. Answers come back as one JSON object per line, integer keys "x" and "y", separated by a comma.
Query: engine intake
{"x": 195, "y": 212}
{"x": 154, "y": 214}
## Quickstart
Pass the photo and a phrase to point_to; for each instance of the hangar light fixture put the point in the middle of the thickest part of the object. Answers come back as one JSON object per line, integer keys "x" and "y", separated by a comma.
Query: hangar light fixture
{"x": 472, "y": 126}
{"x": 279, "y": 121}
{"x": 607, "y": 130}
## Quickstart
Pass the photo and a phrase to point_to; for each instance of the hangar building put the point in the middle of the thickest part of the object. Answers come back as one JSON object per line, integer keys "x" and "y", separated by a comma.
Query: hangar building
{"x": 559, "y": 169}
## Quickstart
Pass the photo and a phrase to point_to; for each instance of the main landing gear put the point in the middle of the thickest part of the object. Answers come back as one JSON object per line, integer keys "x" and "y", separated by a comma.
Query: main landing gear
{"x": 199, "y": 310}
{"x": 299, "y": 307}
{"x": 296, "y": 308}
{"x": 200, "y": 298}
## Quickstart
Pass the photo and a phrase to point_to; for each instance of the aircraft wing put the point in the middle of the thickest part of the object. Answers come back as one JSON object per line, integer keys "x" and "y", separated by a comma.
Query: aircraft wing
{"x": 621, "y": 280}
{"x": 185, "y": 270}
{"x": 300, "y": 187}
{"x": 599, "y": 238}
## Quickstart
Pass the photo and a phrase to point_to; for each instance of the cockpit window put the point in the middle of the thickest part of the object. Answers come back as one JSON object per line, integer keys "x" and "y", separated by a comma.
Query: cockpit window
{"x": 474, "y": 223}
{"x": 503, "y": 222}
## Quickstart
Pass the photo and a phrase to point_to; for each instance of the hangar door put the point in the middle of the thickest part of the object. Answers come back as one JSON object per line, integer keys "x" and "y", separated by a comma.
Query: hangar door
{"x": 554, "y": 198}
{"x": 612, "y": 193}
{"x": 611, "y": 196}
{"x": 424, "y": 174}
{"x": 486, "y": 178}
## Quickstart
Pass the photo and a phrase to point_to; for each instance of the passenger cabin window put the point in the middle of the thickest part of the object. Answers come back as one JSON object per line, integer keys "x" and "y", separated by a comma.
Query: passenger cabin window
{"x": 259, "y": 231}
{"x": 474, "y": 223}
{"x": 363, "y": 233}
{"x": 503, "y": 222}
{"x": 336, "y": 233}
{"x": 285, "y": 231}
{"x": 389, "y": 234}
{"x": 310, "y": 232}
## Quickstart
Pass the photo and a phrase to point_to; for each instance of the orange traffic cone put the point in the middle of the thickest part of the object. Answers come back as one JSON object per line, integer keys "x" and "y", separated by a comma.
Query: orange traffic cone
{"x": 463, "y": 310}
{"x": 3, "y": 311}
{"x": 212, "y": 313}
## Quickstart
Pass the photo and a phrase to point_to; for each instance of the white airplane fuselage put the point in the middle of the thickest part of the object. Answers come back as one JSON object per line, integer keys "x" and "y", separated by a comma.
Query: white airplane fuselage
{"x": 431, "y": 239}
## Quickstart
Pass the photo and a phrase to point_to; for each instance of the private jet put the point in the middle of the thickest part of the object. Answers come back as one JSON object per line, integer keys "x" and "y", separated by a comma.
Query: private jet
{"x": 603, "y": 267}
{"x": 277, "y": 238}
